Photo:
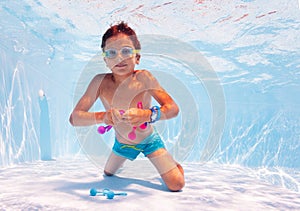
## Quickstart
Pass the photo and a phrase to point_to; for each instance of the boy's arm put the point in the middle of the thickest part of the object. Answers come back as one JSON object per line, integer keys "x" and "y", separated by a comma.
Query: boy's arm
{"x": 169, "y": 108}
{"x": 81, "y": 115}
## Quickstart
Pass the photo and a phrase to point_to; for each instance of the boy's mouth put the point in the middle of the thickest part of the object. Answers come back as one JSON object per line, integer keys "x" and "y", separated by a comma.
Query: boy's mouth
{"x": 121, "y": 65}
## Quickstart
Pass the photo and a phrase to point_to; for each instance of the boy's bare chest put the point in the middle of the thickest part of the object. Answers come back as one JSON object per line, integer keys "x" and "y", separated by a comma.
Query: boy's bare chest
{"x": 123, "y": 95}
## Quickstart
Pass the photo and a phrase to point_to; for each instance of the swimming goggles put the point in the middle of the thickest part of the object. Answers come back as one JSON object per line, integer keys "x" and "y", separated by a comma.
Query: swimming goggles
{"x": 126, "y": 52}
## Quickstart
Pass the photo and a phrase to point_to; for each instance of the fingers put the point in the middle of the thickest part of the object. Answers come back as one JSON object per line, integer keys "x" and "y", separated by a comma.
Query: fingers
{"x": 117, "y": 115}
{"x": 134, "y": 116}
{"x": 108, "y": 118}
{"x": 130, "y": 115}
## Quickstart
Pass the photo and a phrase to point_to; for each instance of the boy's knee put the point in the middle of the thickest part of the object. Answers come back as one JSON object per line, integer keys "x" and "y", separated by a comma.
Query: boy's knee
{"x": 176, "y": 185}
{"x": 174, "y": 179}
{"x": 164, "y": 162}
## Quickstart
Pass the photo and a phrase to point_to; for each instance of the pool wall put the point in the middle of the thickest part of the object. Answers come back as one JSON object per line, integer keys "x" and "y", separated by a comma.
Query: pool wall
{"x": 260, "y": 81}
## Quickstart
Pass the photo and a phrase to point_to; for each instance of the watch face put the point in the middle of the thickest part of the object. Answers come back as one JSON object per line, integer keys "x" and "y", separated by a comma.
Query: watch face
{"x": 153, "y": 116}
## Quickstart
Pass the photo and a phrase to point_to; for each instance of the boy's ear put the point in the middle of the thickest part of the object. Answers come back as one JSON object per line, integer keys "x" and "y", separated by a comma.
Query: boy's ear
{"x": 104, "y": 59}
{"x": 137, "y": 58}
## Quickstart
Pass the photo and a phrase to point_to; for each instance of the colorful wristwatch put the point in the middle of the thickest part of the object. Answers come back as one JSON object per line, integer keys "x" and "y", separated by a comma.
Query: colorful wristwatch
{"x": 155, "y": 114}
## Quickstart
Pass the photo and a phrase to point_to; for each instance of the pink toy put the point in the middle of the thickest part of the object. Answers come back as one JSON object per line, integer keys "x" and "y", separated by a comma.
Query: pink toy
{"x": 104, "y": 129}
{"x": 131, "y": 135}
{"x": 142, "y": 126}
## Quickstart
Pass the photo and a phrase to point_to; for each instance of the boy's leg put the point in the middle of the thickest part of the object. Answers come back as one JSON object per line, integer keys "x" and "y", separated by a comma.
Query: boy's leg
{"x": 171, "y": 172}
{"x": 113, "y": 163}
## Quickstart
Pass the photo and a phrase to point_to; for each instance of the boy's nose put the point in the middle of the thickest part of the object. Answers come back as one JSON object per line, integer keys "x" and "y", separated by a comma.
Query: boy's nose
{"x": 119, "y": 56}
{"x": 117, "y": 60}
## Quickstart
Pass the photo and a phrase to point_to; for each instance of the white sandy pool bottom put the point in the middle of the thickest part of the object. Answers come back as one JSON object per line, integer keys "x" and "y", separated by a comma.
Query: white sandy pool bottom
{"x": 64, "y": 184}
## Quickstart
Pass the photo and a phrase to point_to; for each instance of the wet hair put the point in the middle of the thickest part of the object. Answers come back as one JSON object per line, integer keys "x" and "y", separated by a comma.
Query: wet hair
{"x": 121, "y": 28}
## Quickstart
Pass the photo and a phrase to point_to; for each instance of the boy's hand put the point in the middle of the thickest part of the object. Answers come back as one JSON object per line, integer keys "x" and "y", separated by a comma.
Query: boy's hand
{"x": 136, "y": 116}
{"x": 116, "y": 116}
{"x": 108, "y": 118}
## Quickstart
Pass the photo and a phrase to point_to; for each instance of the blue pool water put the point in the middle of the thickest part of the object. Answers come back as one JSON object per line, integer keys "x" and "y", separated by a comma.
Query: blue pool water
{"x": 234, "y": 70}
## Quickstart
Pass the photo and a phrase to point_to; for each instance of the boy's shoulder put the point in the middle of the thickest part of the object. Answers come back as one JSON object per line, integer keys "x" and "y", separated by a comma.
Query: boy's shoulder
{"x": 143, "y": 74}
{"x": 99, "y": 79}
{"x": 101, "y": 76}
{"x": 147, "y": 78}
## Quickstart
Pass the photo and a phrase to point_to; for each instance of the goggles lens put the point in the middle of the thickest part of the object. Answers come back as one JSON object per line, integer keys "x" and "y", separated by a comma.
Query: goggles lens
{"x": 126, "y": 52}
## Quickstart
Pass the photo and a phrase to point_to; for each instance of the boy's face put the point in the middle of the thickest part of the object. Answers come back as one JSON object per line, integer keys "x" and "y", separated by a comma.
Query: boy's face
{"x": 122, "y": 63}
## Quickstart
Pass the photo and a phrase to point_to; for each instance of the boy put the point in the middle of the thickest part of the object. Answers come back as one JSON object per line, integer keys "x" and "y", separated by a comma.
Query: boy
{"x": 120, "y": 92}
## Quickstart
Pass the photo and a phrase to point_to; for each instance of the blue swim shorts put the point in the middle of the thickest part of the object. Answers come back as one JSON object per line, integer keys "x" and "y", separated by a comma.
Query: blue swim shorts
{"x": 150, "y": 144}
